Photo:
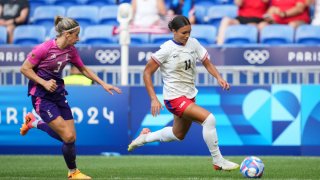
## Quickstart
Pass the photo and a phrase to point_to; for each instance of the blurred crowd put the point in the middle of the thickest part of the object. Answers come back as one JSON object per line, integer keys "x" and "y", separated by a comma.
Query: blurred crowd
{"x": 153, "y": 15}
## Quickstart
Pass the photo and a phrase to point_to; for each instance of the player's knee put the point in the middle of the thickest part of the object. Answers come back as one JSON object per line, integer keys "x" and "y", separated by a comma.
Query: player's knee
{"x": 69, "y": 137}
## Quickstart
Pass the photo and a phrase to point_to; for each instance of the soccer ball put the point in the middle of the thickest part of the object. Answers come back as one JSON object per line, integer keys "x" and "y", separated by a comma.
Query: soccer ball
{"x": 252, "y": 167}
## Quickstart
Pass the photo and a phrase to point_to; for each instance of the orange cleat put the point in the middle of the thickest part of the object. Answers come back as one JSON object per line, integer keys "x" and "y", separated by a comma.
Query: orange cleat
{"x": 78, "y": 175}
{"x": 27, "y": 125}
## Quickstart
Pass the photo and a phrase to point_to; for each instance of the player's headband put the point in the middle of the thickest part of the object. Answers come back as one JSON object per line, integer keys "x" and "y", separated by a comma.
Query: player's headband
{"x": 72, "y": 29}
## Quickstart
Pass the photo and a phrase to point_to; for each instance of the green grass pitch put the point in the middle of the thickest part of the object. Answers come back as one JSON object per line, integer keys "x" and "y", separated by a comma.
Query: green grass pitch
{"x": 152, "y": 167}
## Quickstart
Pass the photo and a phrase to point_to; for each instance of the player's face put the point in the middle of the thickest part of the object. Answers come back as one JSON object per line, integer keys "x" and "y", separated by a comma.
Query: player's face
{"x": 183, "y": 34}
{"x": 73, "y": 37}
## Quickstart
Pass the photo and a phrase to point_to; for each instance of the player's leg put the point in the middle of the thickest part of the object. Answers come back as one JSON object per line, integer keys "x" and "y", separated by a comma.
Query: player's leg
{"x": 68, "y": 135}
{"x": 167, "y": 134}
{"x": 65, "y": 128}
{"x": 42, "y": 106}
{"x": 10, "y": 30}
{"x": 177, "y": 132}
{"x": 209, "y": 132}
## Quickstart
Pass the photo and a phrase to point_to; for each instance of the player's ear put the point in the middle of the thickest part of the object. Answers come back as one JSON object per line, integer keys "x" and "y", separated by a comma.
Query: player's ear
{"x": 67, "y": 34}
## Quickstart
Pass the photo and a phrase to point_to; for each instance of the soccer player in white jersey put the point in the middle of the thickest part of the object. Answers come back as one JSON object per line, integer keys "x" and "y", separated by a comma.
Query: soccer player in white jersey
{"x": 177, "y": 62}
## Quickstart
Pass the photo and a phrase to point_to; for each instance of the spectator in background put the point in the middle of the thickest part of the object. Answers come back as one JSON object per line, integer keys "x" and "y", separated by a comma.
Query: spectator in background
{"x": 291, "y": 12}
{"x": 12, "y": 14}
{"x": 183, "y": 7}
{"x": 148, "y": 13}
{"x": 250, "y": 12}
{"x": 77, "y": 78}
{"x": 316, "y": 15}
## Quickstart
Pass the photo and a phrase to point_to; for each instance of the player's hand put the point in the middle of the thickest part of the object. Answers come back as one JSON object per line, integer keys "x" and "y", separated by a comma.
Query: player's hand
{"x": 156, "y": 106}
{"x": 224, "y": 84}
{"x": 50, "y": 85}
{"x": 109, "y": 89}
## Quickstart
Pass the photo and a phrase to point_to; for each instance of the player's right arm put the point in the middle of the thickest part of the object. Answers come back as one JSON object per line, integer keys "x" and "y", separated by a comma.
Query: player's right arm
{"x": 149, "y": 70}
{"x": 27, "y": 70}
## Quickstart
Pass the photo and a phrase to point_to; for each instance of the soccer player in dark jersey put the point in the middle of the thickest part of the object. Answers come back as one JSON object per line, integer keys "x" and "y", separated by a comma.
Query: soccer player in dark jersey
{"x": 43, "y": 66}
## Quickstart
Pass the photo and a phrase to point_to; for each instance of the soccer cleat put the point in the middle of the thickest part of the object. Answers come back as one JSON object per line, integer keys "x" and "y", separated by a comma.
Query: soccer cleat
{"x": 77, "y": 175}
{"x": 27, "y": 125}
{"x": 140, "y": 140}
{"x": 225, "y": 165}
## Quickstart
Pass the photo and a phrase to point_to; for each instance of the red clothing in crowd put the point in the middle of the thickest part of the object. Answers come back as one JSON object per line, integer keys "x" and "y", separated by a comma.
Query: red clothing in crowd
{"x": 288, "y": 4}
{"x": 253, "y": 8}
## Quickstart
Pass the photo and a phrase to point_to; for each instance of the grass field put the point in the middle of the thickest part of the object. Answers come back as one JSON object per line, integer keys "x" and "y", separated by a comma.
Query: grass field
{"x": 152, "y": 167}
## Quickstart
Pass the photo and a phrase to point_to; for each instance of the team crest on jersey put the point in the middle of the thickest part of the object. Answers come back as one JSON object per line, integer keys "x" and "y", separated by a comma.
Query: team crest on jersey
{"x": 53, "y": 56}
{"x": 67, "y": 57}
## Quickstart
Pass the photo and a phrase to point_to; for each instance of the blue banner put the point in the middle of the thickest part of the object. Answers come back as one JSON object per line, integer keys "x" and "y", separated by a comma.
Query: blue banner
{"x": 272, "y": 56}
{"x": 99, "y": 117}
{"x": 268, "y": 120}
{"x": 138, "y": 55}
{"x": 13, "y": 55}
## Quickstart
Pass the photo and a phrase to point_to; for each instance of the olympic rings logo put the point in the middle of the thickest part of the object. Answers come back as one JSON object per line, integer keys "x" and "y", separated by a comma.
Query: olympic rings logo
{"x": 256, "y": 56}
{"x": 107, "y": 56}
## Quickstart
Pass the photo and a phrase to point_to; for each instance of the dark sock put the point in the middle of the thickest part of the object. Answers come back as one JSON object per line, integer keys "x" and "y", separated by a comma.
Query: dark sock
{"x": 69, "y": 154}
{"x": 44, "y": 127}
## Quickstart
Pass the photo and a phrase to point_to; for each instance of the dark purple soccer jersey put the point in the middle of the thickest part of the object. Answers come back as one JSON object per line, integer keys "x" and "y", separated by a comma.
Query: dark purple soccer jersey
{"x": 49, "y": 62}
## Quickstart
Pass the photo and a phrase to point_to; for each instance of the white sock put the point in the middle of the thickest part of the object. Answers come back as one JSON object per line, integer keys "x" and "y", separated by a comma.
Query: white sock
{"x": 35, "y": 123}
{"x": 72, "y": 170}
{"x": 163, "y": 135}
{"x": 209, "y": 133}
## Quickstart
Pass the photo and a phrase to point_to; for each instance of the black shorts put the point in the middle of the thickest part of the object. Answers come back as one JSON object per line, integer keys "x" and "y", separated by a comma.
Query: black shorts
{"x": 247, "y": 20}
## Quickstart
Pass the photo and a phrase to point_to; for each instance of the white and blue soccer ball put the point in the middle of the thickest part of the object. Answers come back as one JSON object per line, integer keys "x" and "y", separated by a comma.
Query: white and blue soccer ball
{"x": 252, "y": 167}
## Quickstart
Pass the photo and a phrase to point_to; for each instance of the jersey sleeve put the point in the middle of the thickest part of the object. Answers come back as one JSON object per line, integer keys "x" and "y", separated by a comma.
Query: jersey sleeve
{"x": 75, "y": 58}
{"x": 161, "y": 55}
{"x": 37, "y": 54}
{"x": 202, "y": 52}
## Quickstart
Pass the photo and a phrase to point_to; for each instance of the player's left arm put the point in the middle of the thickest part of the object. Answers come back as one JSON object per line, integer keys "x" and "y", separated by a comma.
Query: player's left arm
{"x": 91, "y": 75}
{"x": 215, "y": 73}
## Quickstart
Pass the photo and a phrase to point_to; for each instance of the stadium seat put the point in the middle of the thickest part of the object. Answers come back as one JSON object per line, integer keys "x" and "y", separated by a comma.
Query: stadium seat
{"x": 160, "y": 38}
{"x": 277, "y": 34}
{"x": 108, "y": 15}
{"x": 3, "y": 35}
{"x": 99, "y": 34}
{"x": 99, "y": 2}
{"x": 29, "y": 34}
{"x": 85, "y": 15}
{"x": 40, "y": 2}
{"x": 52, "y": 34}
{"x": 206, "y": 34}
{"x": 200, "y": 14}
{"x": 217, "y": 12}
{"x": 206, "y": 3}
{"x": 44, "y": 15}
{"x": 241, "y": 34}
{"x": 33, "y": 4}
{"x": 308, "y": 34}
{"x": 224, "y": 1}
{"x": 141, "y": 38}
{"x": 67, "y": 3}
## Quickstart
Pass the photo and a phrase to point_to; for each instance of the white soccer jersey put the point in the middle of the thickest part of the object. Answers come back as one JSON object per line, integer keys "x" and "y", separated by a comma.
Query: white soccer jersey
{"x": 316, "y": 19}
{"x": 178, "y": 67}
